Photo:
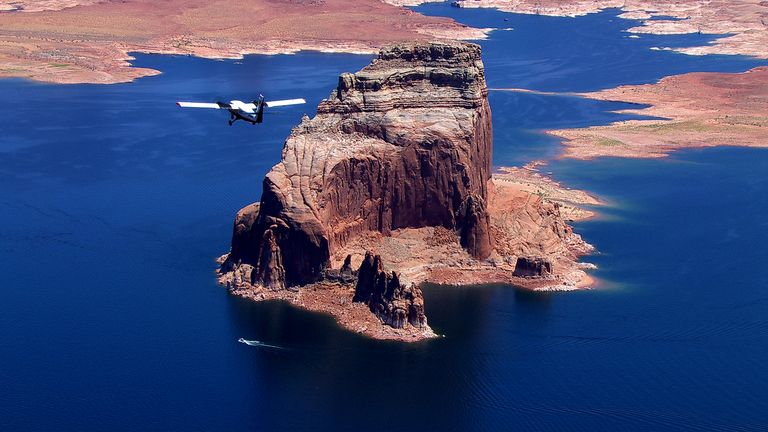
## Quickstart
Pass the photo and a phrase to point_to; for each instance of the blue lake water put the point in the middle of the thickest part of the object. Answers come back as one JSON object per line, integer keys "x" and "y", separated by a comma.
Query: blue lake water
{"x": 115, "y": 204}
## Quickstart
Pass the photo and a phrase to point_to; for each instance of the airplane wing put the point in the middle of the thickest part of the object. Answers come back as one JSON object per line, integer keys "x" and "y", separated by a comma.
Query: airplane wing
{"x": 247, "y": 107}
{"x": 285, "y": 102}
{"x": 198, "y": 105}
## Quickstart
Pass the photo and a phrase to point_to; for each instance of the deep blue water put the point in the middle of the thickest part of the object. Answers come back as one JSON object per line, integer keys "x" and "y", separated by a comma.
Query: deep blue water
{"x": 560, "y": 54}
{"x": 579, "y": 54}
{"x": 115, "y": 206}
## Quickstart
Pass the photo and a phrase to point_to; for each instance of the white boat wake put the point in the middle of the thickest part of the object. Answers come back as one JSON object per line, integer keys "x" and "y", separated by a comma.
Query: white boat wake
{"x": 259, "y": 344}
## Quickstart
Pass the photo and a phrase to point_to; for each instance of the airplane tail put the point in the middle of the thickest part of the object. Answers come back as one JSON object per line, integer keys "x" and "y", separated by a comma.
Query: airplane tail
{"x": 259, "y": 109}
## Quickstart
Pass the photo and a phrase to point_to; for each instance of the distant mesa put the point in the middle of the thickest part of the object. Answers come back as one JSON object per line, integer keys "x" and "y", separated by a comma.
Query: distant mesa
{"x": 401, "y": 148}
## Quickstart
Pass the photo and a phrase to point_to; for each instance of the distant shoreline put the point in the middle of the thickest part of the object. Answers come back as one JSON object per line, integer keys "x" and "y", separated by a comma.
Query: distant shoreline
{"x": 82, "y": 41}
{"x": 742, "y": 24}
{"x": 693, "y": 110}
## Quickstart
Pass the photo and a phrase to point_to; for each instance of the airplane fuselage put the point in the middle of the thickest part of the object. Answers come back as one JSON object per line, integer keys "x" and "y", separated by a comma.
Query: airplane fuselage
{"x": 240, "y": 115}
{"x": 240, "y": 110}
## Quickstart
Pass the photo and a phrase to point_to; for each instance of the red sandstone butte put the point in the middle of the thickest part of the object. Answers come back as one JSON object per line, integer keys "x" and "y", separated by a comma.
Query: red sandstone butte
{"x": 403, "y": 143}
{"x": 393, "y": 177}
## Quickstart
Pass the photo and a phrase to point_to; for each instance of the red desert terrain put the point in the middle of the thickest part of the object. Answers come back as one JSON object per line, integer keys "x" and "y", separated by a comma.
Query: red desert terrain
{"x": 744, "y": 23}
{"x": 79, "y": 41}
{"x": 699, "y": 110}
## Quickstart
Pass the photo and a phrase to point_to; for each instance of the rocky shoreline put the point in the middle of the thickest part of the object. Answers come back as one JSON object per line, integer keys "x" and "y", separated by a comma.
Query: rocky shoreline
{"x": 694, "y": 110}
{"x": 434, "y": 255}
{"x": 334, "y": 297}
{"x": 86, "y": 41}
{"x": 529, "y": 218}
{"x": 743, "y": 24}
{"x": 393, "y": 178}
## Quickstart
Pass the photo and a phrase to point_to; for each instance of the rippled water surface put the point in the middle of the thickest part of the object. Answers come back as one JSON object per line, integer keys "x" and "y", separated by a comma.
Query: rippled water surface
{"x": 114, "y": 205}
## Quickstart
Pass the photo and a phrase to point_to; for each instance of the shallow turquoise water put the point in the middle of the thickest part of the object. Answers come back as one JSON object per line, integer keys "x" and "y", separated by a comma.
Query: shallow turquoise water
{"x": 115, "y": 207}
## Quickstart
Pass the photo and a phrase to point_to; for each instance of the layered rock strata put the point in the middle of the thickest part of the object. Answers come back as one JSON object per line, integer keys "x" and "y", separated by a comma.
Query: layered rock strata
{"x": 404, "y": 143}
{"x": 534, "y": 247}
{"x": 393, "y": 177}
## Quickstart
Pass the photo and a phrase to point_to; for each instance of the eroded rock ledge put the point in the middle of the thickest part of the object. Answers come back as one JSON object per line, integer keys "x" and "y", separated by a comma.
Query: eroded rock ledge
{"x": 393, "y": 176}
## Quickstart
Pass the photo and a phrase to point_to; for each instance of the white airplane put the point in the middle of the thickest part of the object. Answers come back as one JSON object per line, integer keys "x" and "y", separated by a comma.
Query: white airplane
{"x": 250, "y": 112}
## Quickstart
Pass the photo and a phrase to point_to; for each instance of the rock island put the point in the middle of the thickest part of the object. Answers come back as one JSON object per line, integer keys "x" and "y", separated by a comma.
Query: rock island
{"x": 391, "y": 185}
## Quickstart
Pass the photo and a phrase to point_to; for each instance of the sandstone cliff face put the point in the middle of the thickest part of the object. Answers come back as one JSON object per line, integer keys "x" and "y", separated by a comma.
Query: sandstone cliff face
{"x": 532, "y": 267}
{"x": 474, "y": 224}
{"x": 395, "y": 304}
{"x": 404, "y": 143}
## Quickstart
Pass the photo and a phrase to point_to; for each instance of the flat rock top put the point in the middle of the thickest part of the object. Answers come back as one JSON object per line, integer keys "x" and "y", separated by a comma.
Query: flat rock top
{"x": 432, "y": 52}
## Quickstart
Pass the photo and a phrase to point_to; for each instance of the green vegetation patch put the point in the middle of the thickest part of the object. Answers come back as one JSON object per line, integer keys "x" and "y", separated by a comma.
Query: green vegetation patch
{"x": 609, "y": 142}
{"x": 745, "y": 120}
{"x": 667, "y": 127}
